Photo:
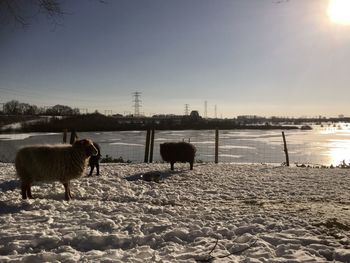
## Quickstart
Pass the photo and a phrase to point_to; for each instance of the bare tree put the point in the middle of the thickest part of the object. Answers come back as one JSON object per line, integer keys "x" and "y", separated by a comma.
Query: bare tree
{"x": 12, "y": 107}
{"x": 22, "y": 11}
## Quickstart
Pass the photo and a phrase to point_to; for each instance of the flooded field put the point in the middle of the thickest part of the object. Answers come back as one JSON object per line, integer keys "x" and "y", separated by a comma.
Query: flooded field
{"x": 326, "y": 145}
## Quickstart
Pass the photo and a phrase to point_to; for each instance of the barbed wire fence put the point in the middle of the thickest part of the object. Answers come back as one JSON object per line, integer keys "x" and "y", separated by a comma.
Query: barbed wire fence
{"x": 235, "y": 146}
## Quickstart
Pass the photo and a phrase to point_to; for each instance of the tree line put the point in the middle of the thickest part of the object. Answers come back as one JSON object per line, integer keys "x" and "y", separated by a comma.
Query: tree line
{"x": 14, "y": 107}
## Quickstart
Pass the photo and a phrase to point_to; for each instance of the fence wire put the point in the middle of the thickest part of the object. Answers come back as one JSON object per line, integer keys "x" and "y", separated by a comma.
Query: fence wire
{"x": 323, "y": 147}
{"x": 251, "y": 146}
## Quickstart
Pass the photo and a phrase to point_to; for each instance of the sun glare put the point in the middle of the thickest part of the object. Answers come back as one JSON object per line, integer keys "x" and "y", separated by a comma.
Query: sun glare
{"x": 339, "y": 150}
{"x": 339, "y": 11}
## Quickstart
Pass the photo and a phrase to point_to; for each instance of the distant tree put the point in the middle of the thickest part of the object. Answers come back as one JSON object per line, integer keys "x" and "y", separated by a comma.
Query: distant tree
{"x": 75, "y": 111}
{"x": 62, "y": 110}
{"x": 12, "y": 107}
{"x": 32, "y": 110}
{"x": 23, "y": 108}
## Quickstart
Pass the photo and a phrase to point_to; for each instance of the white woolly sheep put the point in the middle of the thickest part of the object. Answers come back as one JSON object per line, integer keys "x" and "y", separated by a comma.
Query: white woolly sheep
{"x": 52, "y": 163}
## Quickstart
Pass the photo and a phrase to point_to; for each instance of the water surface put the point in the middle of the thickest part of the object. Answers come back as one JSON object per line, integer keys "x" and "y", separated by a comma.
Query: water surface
{"x": 326, "y": 145}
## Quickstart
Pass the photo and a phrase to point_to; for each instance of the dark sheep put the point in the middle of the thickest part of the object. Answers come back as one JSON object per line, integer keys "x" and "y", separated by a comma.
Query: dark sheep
{"x": 178, "y": 152}
{"x": 94, "y": 161}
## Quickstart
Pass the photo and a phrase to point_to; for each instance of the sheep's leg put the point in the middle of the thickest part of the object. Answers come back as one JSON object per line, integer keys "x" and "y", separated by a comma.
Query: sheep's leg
{"x": 172, "y": 165}
{"x": 98, "y": 169}
{"x": 26, "y": 191}
{"x": 29, "y": 191}
{"x": 191, "y": 165}
{"x": 24, "y": 187}
{"x": 67, "y": 193}
{"x": 91, "y": 169}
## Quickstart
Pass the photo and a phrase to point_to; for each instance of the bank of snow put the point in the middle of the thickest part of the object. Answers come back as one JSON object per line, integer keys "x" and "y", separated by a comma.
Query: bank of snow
{"x": 279, "y": 214}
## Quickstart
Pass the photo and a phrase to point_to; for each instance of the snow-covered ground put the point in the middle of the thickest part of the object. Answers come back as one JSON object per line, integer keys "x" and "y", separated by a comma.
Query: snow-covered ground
{"x": 273, "y": 214}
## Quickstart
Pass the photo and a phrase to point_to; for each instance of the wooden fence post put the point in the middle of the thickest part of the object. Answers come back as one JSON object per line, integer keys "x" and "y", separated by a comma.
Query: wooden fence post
{"x": 73, "y": 137}
{"x": 151, "y": 147}
{"x": 216, "y": 146}
{"x": 285, "y": 149}
{"x": 65, "y": 135}
{"x": 148, "y": 134}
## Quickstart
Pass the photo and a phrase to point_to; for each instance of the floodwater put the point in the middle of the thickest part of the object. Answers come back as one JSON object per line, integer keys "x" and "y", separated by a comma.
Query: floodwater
{"x": 327, "y": 144}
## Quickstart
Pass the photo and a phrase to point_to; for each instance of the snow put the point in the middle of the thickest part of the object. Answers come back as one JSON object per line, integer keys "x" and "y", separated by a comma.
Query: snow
{"x": 22, "y": 136}
{"x": 269, "y": 213}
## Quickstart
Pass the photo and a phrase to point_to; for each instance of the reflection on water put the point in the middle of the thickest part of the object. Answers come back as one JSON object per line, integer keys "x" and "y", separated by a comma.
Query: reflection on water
{"x": 339, "y": 150}
{"x": 322, "y": 145}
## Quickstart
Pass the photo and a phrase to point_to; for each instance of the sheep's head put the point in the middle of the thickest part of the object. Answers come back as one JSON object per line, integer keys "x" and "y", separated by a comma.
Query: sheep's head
{"x": 87, "y": 146}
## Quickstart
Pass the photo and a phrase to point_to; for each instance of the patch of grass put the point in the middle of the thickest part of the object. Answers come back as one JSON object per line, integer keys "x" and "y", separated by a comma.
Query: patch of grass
{"x": 110, "y": 159}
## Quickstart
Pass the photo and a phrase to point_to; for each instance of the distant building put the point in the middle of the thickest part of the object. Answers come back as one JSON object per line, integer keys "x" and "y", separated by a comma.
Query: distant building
{"x": 248, "y": 117}
{"x": 194, "y": 115}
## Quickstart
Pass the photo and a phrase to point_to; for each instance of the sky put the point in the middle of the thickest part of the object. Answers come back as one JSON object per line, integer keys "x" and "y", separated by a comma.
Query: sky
{"x": 248, "y": 57}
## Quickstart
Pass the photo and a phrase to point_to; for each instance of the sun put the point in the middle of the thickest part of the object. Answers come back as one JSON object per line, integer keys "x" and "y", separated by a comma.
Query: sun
{"x": 339, "y": 11}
